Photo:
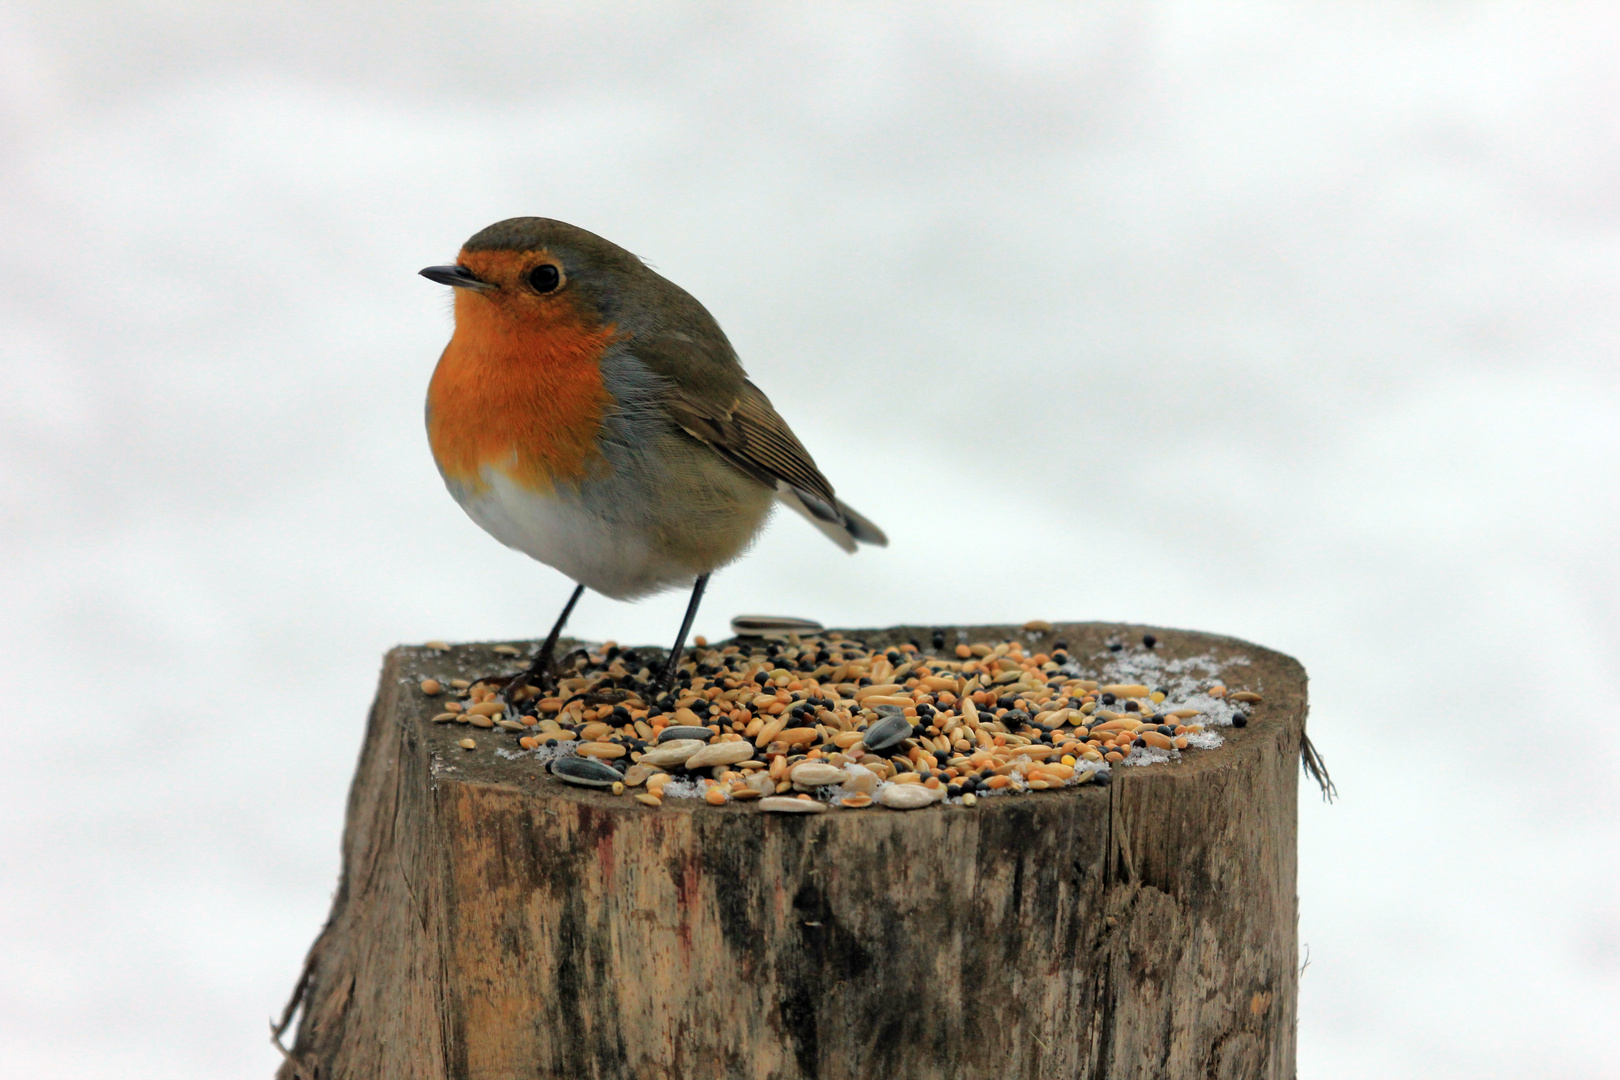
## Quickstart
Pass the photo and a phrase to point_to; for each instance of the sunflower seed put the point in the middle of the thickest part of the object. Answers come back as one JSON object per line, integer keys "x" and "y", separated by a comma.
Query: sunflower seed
{"x": 587, "y": 772}
{"x": 684, "y": 731}
{"x": 886, "y": 732}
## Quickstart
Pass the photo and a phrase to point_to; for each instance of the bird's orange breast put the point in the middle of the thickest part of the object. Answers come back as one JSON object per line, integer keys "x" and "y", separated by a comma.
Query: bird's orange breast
{"x": 521, "y": 398}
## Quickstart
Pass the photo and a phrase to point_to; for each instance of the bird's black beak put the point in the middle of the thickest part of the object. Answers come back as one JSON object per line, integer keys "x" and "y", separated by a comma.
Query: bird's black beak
{"x": 458, "y": 277}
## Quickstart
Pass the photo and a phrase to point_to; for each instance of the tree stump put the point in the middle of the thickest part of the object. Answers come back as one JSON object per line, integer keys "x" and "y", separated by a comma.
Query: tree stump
{"x": 492, "y": 922}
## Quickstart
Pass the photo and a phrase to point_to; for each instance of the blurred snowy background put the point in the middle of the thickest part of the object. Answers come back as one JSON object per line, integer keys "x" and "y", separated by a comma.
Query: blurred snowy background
{"x": 1293, "y": 322}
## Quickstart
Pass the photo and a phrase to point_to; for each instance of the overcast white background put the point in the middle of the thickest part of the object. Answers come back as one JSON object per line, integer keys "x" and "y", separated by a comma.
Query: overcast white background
{"x": 1293, "y": 322}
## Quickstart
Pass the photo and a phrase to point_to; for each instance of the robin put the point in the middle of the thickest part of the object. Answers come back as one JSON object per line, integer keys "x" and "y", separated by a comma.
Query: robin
{"x": 591, "y": 414}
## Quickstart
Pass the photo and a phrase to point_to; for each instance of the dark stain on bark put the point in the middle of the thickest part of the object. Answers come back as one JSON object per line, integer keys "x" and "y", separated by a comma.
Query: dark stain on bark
{"x": 729, "y": 867}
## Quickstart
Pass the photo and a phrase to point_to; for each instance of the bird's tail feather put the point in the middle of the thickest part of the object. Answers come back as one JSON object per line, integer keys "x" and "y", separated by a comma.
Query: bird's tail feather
{"x": 860, "y": 528}
{"x": 845, "y": 532}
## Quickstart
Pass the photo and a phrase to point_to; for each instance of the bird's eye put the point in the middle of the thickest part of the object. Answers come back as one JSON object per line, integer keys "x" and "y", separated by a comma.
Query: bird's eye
{"x": 545, "y": 278}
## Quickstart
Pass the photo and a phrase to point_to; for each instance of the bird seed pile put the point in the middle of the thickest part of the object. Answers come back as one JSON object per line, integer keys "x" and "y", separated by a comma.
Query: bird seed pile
{"x": 806, "y": 725}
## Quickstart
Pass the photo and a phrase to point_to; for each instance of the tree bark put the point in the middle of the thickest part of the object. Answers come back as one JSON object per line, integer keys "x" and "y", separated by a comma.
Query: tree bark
{"x": 492, "y": 922}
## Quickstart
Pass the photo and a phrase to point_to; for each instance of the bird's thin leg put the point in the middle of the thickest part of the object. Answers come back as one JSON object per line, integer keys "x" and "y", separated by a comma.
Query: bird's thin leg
{"x": 667, "y": 679}
{"x": 544, "y": 662}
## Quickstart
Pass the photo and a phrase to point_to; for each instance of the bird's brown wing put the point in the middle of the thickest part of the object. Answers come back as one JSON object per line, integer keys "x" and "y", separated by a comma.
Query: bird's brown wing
{"x": 751, "y": 434}
{"x": 711, "y": 400}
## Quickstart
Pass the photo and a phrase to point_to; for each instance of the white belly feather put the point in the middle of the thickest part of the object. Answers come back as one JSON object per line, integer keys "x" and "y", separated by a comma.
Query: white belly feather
{"x": 562, "y": 533}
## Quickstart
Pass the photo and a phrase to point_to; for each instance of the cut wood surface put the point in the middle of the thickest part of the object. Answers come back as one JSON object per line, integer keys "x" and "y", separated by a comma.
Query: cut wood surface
{"x": 492, "y": 922}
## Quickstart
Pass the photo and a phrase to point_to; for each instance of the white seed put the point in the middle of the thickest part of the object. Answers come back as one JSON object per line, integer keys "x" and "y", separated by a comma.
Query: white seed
{"x": 670, "y": 754}
{"x": 816, "y": 773}
{"x": 783, "y": 805}
{"x": 467, "y": 744}
{"x": 908, "y": 796}
{"x": 726, "y": 753}
{"x": 859, "y": 779}
{"x": 637, "y": 774}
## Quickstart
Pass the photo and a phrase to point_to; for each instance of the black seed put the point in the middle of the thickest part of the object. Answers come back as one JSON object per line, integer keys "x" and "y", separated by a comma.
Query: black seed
{"x": 1240, "y": 720}
{"x": 925, "y": 709}
{"x": 1114, "y": 646}
{"x": 1138, "y": 742}
{"x": 1131, "y": 706}
{"x": 762, "y": 678}
{"x": 939, "y": 639}
{"x": 1109, "y": 699}
{"x": 1006, "y": 702}
{"x": 1166, "y": 729}
{"x": 1149, "y": 640}
{"x": 941, "y": 758}
{"x": 551, "y": 742}
{"x": 953, "y": 790}
{"x": 918, "y": 731}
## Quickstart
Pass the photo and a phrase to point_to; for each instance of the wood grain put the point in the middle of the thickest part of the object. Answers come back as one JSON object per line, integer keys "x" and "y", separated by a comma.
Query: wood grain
{"x": 492, "y": 922}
